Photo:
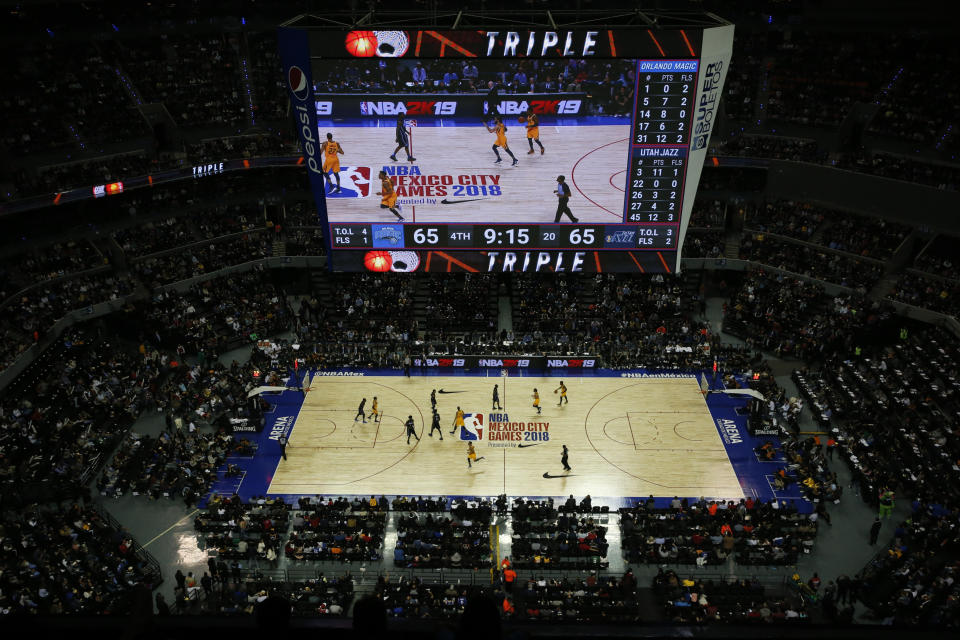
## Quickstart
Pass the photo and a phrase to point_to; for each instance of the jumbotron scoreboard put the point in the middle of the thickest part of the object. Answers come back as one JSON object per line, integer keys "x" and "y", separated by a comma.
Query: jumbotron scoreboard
{"x": 501, "y": 129}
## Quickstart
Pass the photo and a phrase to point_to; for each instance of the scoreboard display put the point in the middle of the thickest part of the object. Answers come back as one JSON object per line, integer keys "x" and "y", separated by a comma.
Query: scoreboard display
{"x": 506, "y": 151}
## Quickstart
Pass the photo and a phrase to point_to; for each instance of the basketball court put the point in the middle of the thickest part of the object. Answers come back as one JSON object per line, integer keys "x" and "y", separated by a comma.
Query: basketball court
{"x": 627, "y": 437}
{"x": 455, "y": 178}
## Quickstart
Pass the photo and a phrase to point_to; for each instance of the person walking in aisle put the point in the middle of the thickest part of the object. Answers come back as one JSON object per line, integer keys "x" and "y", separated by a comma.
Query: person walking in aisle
{"x": 875, "y": 530}
{"x": 886, "y": 502}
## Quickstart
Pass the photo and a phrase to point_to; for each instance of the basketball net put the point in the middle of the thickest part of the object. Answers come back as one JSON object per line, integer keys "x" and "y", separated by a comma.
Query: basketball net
{"x": 704, "y": 385}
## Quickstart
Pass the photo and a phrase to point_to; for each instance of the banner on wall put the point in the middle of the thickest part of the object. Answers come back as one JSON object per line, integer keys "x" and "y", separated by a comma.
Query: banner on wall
{"x": 507, "y": 362}
{"x": 294, "y": 49}
{"x": 339, "y": 105}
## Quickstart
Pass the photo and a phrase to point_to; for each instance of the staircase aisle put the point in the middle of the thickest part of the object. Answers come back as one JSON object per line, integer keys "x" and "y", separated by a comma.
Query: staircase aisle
{"x": 504, "y": 308}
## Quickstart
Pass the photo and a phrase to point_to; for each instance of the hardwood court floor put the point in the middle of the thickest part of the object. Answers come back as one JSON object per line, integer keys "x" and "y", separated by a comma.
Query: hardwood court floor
{"x": 626, "y": 436}
{"x": 592, "y": 158}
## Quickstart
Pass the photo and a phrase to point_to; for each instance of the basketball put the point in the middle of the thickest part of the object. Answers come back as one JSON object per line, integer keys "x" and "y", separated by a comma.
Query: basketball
{"x": 362, "y": 44}
{"x": 378, "y": 261}
{"x": 521, "y": 119}
{"x": 554, "y": 392}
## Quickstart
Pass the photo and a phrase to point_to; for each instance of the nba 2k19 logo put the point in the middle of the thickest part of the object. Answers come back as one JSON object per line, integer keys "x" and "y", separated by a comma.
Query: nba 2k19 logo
{"x": 438, "y": 362}
{"x": 501, "y": 432}
{"x": 411, "y": 108}
{"x": 540, "y": 107}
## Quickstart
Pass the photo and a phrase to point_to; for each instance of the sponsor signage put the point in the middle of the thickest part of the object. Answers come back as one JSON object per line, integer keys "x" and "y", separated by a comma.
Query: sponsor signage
{"x": 506, "y": 362}
{"x": 500, "y": 432}
{"x": 505, "y": 43}
{"x": 729, "y": 431}
{"x": 444, "y": 104}
{"x": 294, "y": 48}
{"x": 113, "y": 188}
{"x": 281, "y": 427}
{"x": 210, "y": 169}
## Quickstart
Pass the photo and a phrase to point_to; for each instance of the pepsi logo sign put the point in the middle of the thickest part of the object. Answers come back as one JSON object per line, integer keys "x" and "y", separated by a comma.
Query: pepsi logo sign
{"x": 297, "y": 80}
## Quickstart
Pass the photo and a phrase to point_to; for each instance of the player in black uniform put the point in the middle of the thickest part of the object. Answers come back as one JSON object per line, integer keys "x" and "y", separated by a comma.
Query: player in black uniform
{"x": 360, "y": 413}
{"x": 433, "y": 399}
{"x": 564, "y": 459}
{"x": 496, "y": 398}
{"x": 403, "y": 140}
{"x": 435, "y": 426}
{"x": 411, "y": 429}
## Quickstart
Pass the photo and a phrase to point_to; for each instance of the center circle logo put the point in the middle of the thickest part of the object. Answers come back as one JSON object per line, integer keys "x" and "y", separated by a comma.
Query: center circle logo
{"x": 297, "y": 80}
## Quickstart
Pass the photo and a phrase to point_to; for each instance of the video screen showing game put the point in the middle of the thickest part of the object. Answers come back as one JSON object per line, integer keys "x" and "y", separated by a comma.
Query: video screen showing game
{"x": 508, "y": 163}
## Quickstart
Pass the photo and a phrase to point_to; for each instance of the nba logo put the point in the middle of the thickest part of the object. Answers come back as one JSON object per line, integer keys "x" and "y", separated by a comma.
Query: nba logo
{"x": 354, "y": 183}
{"x": 472, "y": 428}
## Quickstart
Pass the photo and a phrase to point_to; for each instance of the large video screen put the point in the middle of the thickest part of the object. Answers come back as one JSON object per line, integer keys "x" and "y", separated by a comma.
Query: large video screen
{"x": 550, "y": 160}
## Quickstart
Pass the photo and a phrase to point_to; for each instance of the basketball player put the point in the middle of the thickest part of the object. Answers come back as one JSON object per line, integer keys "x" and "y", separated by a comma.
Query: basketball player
{"x": 403, "y": 140}
{"x": 331, "y": 162}
{"x": 472, "y": 455}
{"x": 433, "y": 399}
{"x": 496, "y": 398}
{"x": 360, "y": 412}
{"x": 536, "y": 401}
{"x": 563, "y": 393}
{"x": 436, "y": 425}
{"x": 411, "y": 429}
{"x": 501, "y": 130}
{"x": 374, "y": 413}
{"x": 457, "y": 421}
{"x": 533, "y": 131}
{"x": 564, "y": 459}
{"x": 388, "y": 197}
{"x": 563, "y": 197}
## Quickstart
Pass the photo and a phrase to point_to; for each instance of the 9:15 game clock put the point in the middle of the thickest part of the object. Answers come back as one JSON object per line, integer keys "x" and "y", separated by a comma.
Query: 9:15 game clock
{"x": 553, "y": 236}
{"x": 508, "y": 236}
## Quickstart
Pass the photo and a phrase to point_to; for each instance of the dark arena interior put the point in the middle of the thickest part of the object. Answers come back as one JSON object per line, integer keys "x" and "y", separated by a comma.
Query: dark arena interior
{"x": 266, "y": 267}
